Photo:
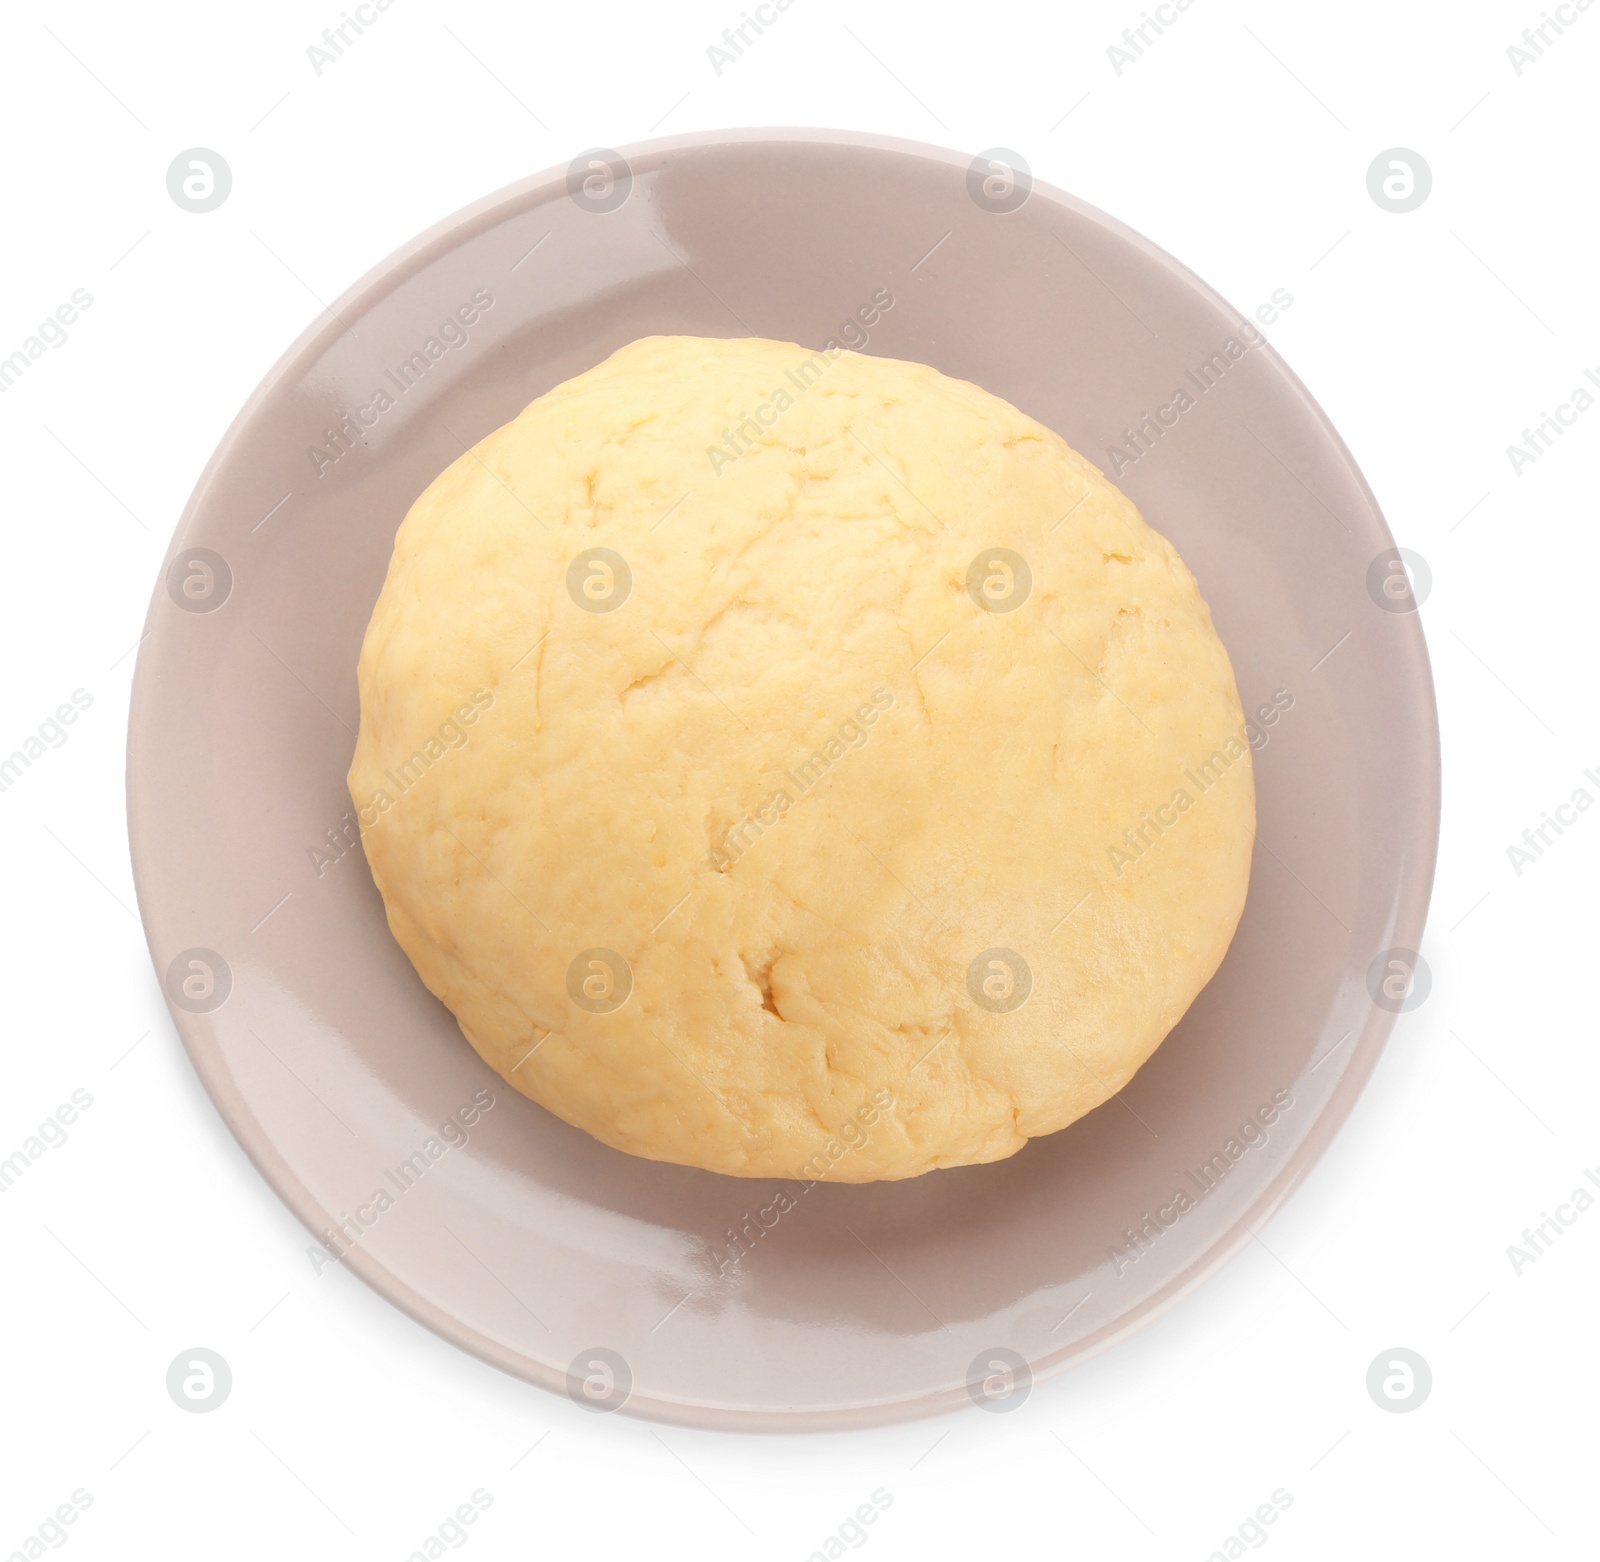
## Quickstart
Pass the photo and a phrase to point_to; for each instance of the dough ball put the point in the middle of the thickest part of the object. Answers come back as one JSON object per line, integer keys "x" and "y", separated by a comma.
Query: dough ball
{"x": 799, "y": 764}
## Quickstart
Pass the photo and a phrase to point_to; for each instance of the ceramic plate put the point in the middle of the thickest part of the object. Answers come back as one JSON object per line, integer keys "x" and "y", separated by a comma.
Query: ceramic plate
{"x": 521, "y": 1239}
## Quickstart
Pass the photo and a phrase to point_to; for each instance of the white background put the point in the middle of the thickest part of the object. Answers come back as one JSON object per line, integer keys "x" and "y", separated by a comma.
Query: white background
{"x": 1240, "y": 142}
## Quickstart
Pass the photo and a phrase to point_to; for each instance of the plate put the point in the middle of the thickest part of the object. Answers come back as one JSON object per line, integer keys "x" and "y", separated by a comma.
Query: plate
{"x": 662, "y": 1290}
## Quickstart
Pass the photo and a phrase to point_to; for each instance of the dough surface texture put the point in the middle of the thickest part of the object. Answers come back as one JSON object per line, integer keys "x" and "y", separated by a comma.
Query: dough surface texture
{"x": 875, "y": 799}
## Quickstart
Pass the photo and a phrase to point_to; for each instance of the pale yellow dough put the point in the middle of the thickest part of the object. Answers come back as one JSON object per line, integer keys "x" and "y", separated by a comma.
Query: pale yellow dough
{"x": 537, "y": 780}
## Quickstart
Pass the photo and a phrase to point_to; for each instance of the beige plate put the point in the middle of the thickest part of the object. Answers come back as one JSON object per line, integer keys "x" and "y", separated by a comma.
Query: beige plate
{"x": 536, "y": 1247}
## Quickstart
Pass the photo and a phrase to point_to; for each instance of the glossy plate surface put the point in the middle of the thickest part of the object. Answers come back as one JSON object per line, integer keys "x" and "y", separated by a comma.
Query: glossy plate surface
{"x": 534, "y": 1246}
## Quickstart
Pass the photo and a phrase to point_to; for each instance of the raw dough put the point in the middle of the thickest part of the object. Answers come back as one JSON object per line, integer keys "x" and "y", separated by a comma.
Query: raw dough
{"x": 877, "y": 800}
